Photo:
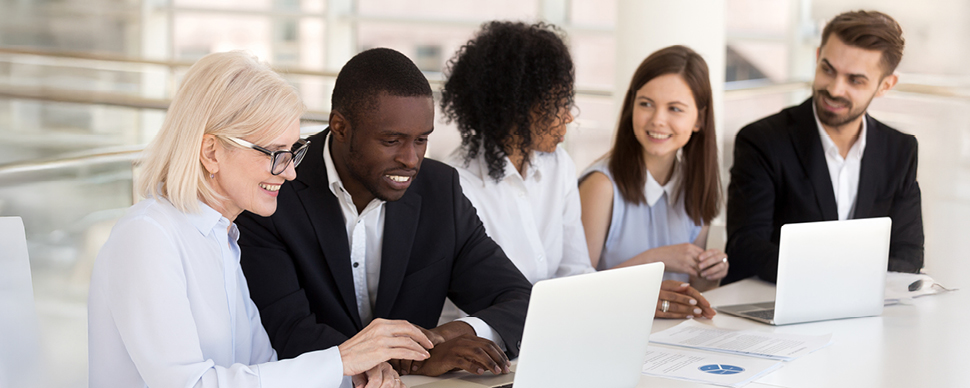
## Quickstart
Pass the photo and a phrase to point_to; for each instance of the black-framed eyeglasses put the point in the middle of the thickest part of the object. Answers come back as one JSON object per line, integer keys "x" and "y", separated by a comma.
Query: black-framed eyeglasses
{"x": 282, "y": 158}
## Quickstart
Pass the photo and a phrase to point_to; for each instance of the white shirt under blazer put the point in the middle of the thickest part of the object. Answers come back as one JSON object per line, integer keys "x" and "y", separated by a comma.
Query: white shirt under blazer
{"x": 169, "y": 307}
{"x": 844, "y": 172}
{"x": 365, "y": 234}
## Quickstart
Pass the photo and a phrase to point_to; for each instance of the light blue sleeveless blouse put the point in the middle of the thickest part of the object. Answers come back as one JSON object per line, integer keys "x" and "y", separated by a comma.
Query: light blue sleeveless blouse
{"x": 635, "y": 228}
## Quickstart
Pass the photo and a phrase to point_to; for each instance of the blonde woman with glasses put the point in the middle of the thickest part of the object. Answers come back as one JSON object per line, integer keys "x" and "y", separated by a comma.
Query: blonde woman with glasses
{"x": 169, "y": 305}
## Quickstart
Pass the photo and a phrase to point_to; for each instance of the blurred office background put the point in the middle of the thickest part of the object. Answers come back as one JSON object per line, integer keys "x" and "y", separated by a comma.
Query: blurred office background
{"x": 84, "y": 85}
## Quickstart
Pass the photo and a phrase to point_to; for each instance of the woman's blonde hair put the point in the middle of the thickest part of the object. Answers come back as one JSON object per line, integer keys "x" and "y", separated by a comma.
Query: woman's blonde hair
{"x": 227, "y": 94}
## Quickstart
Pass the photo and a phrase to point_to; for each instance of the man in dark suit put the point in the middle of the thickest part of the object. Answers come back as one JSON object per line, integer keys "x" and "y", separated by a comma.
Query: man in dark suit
{"x": 360, "y": 234}
{"x": 826, "y": 159}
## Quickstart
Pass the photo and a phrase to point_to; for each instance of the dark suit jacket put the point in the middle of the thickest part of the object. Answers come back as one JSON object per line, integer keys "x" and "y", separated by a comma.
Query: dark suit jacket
{"x": 780, "y": 176}
{"x": 297, "y": 262}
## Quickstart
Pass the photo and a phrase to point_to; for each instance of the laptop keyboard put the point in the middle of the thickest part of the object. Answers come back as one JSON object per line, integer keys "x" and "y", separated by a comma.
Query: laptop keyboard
{"x": 763, "y": 314}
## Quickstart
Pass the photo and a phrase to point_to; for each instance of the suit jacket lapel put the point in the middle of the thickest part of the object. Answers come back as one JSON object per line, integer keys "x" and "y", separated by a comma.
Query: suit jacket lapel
{"x": 872, "y": 169}
{"x": 808, "y": 146}
{"x": 322, "y": 206}
{"x": 400, "y": 225}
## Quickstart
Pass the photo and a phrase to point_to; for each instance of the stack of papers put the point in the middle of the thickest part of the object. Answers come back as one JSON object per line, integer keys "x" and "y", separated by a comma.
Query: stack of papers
{"x": 776, "y": 346}
{"x": 709, "y": 368}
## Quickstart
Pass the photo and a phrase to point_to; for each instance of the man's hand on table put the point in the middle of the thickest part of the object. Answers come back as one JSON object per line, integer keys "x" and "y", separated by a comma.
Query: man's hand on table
{"x": 460, "y": 349}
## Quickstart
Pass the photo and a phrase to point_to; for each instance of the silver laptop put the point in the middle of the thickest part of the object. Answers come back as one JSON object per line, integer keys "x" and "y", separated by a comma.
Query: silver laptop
{"x": 826, "y": 270}
{"x": 582, "y": 331}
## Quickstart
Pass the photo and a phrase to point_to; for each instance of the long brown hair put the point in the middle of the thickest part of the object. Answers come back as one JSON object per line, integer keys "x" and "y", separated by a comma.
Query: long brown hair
{"x": 700, "y": 185}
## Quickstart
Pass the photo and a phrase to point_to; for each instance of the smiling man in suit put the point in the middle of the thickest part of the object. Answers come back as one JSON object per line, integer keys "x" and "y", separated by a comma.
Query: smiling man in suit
{"x": 826, "y": 159}
{"x": 370, "y": 229}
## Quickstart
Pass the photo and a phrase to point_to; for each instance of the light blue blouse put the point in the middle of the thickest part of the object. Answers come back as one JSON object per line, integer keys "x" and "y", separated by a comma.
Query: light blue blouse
{"x": 169, "y": 307}
{"x": 635, "y": 228}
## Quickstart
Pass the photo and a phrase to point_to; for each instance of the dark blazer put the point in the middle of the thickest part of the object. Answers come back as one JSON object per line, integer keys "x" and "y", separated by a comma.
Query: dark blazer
{"x": 297, "y": 262}
{"x": 780, "y": 176}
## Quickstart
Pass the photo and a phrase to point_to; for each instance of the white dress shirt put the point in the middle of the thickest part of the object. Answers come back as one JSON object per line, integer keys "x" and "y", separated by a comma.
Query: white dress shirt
{"x": 365, "y": 232}
{"x": 844, "y": 172}
{"x": 534, "y": 218}
{"x": 169, "y": 307}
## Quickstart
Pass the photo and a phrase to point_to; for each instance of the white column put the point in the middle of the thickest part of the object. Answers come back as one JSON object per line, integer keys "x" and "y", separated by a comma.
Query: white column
{"x": 554, "y": 11}
{"x": 645, "y": 26}
{"x": 341, "y": 33}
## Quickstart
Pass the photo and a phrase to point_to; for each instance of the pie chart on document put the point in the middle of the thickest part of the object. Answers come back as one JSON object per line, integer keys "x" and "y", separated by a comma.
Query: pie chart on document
{"x": 721, "y": 369}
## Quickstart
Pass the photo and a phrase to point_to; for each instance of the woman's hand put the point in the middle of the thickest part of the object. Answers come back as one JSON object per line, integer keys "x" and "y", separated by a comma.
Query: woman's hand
{"x": 683, "y": 301}
{"x": 380, "y": 341}
{"x": 404, "y": 367}
{"x": 679, "y": 258}
{"x": 712, "y": 264}
{"x": 380, "y": 376}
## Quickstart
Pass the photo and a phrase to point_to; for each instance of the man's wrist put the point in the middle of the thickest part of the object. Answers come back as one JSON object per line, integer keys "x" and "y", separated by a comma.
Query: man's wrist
{"x": 453, "y": 330}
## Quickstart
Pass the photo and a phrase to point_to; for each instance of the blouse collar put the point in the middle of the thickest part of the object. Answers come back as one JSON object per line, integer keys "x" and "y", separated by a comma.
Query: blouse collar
{"x": 533, "y": 171}
{"x": 654, "y": 190}
{"x": 208, "y": 219}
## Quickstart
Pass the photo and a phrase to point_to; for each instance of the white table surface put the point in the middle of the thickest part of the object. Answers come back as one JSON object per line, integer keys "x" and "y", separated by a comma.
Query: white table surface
{"x": 923, "y": 344}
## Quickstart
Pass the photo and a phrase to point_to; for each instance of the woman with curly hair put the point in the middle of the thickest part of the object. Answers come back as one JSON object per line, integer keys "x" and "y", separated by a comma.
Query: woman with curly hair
{"x": 652, "y": 198}
{"x": 510, "y": 90}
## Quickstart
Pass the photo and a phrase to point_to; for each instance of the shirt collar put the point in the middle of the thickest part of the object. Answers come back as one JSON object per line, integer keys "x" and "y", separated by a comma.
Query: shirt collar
{"x": 208, "y": 219}
{"x": 654, "y": 190}
{"x": 333, "y": 179}
{"x": 534, "y": 171}
{"x": 829, "y": 147}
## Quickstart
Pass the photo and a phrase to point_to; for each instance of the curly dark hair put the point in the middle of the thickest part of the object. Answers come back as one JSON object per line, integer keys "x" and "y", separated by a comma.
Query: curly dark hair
{"x": 509, "y": 78}
{"x": 370, "y": 73}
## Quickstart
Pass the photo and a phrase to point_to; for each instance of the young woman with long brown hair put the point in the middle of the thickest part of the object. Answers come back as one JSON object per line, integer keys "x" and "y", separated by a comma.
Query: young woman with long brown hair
{"x": 652, "y": 198}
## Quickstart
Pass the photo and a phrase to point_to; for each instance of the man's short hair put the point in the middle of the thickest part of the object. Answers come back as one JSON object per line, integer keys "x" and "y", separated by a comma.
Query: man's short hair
{"x": 869, "y": 30}
{"x": 369, "y": 74}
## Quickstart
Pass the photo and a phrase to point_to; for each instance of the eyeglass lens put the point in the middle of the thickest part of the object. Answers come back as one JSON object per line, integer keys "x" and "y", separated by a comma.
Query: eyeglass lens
{"x": 282, "y": 159}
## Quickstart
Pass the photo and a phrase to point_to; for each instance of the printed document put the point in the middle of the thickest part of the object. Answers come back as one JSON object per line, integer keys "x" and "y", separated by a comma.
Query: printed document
{"x": 709, "y": 368}
{"x": 787, "y": 347}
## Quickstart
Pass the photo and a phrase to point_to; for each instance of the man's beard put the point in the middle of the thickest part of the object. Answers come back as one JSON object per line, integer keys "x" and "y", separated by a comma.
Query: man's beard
{"x": 358, "y": 171}
{"x": 834, "y": 120}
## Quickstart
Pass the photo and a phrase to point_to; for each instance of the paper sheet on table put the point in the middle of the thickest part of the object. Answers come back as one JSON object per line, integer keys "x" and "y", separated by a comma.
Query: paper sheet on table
{"x": 710, "y": 368}
{"x": 898, "y": 286}
{"x": 787, "y": 347}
